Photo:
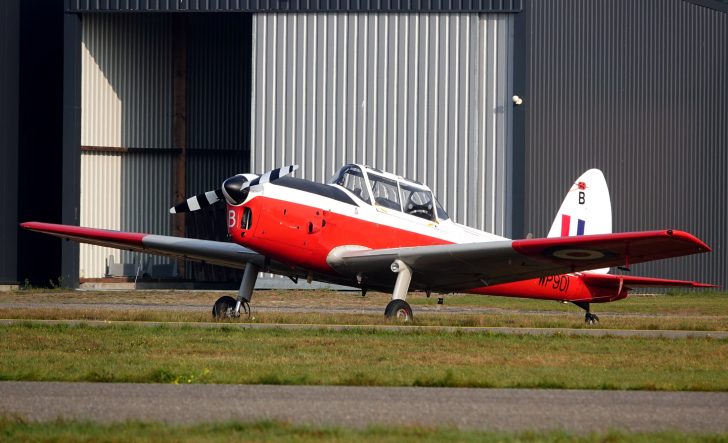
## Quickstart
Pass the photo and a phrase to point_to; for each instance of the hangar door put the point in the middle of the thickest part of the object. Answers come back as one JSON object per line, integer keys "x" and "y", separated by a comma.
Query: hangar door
{"x": 129, "y": 155}
{"x": 426, "y": 96}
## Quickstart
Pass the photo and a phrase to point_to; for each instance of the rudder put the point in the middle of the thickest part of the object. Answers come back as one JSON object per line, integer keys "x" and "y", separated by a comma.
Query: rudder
{"x": 586, "y": 209}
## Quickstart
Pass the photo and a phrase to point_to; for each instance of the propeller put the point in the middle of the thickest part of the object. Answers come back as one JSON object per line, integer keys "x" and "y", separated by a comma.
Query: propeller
{"x": 234, "y": 190}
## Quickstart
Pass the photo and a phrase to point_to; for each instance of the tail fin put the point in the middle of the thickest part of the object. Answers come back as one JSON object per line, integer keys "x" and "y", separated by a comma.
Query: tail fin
{"x": 586, "y": 210}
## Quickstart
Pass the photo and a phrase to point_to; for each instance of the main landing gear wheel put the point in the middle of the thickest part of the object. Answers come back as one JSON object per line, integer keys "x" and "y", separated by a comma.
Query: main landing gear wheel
{"x": 223, "y": 307}
{"x": 399, "y": 309}
{"x": 591, "y": 319}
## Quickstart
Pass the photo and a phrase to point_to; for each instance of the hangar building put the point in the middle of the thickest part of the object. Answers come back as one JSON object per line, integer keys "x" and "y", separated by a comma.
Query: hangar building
{"x": 120, "y": 108}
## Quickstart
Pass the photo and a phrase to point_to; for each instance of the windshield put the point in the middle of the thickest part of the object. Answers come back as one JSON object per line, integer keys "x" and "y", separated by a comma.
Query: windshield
{"x": 385, "y": 191}
{"x": 352, "y": 179}
{"x": 417, "y": 201}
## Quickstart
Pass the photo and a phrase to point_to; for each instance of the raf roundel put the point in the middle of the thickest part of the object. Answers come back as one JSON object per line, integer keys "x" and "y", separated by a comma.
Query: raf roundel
{"x": 577, "y": 254}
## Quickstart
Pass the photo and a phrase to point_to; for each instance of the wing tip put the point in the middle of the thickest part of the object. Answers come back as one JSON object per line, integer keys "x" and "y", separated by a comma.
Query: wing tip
{"x": 702, "y": 246}
{"x": 704, "y": 285}
{"x": 34, "y": 225}
{"x": 80, "y": 232}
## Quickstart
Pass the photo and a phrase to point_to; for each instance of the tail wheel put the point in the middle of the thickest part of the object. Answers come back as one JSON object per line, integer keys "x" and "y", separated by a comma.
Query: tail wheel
{"x": 591, "y": 319}
{"x": 223, "y": 307}
{"x": 399, "y": 310}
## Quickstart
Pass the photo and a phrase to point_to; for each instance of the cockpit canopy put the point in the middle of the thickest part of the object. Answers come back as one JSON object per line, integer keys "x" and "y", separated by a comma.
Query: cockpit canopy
{"x": 386, "y": 190}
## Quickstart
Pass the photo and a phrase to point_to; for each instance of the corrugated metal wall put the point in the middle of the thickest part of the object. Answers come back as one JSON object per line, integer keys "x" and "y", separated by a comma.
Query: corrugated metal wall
{"x": 127, "y": 88}
{"x": 126, "y": 103}
{"x": 639, "y": 90}
{"x": 126, "y": 191}
{"x": 100, "y": 207}
{"x": 424, "y": 96}
{"x": 146, "y": 186}
{"x": 9, "y": 82}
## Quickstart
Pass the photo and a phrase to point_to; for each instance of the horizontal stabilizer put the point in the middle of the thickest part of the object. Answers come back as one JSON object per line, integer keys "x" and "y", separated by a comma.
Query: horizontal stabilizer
{"x": 628, "y": 281}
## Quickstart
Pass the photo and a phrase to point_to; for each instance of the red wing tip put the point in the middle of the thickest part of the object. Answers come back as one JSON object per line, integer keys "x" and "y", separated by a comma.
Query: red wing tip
{"x": 44, "y": 226}
{"x": 704, "y": 285}
{"x": 41, "y": 225}
{"x": 33, "y": 225}
{"x": 80, "y": 232}
{"x": 702, "y": 247}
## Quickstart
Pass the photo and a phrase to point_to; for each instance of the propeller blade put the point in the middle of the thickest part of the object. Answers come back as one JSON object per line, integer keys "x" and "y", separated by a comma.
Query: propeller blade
{"x": 198, "y": 202}
{"x": 273, "y": 174}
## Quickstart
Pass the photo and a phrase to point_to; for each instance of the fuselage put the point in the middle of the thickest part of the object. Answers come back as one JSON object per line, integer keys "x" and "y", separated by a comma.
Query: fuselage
{"x": 298, "y": 223}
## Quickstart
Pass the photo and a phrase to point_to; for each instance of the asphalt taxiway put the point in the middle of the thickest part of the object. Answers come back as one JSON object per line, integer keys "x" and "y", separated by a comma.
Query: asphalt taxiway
{"x": 465, "y": 408}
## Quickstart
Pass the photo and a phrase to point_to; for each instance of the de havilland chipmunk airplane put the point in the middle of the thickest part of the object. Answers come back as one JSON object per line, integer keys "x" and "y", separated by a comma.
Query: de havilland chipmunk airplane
{"x": 375, "y": 230}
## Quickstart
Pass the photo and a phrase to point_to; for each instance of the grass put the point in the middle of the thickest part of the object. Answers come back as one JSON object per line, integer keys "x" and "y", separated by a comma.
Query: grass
{"x": 527, "y": 320}
{"x": 365, "y": 357}
{"x": 698, "y": 310}
{"x": 702, "y": 303}
{"x": 268, "y": 431}
{"x": 705, "y": 302}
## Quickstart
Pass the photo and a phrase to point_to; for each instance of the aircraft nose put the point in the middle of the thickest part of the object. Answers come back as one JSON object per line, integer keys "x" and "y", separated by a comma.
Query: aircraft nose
{"x": 236, "y": 189}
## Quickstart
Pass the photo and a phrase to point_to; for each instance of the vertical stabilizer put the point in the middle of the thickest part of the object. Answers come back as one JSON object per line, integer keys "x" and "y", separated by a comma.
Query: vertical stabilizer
{"x": 586, "y": 209}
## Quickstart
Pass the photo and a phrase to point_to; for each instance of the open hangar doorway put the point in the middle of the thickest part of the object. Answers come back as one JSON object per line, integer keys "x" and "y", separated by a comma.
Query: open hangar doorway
{"x": 165, "y": 114}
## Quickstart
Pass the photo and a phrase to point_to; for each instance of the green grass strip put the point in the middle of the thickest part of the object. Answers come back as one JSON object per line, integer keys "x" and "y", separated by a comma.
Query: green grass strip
{"x": 365, "y": 357}
{"x": 267, "y": 431}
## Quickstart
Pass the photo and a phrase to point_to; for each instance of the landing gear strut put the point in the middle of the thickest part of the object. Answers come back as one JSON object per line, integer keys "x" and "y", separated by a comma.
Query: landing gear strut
{"x": 398, "y": 308}
{"x": 228, "y": 307}
{"x": 589, "y": 318}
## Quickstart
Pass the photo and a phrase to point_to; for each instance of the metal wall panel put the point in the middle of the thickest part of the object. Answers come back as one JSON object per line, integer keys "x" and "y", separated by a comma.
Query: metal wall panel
{"x": 9, "y": 82}
{"x": 126, "y": 91}
{"x": 639, "y": 90}
{"x": 293, "y": 6}
{"x": 218, "y": 81}
{"x": 100, "y": 208}
{"x": 128, "y": 192}
{"x": 146, "y": 187}
{"x": 127, "y": 81}
{"x": 424, "y": 96}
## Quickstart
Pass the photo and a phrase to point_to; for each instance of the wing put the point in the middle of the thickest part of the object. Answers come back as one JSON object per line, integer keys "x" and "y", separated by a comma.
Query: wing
{"x": 213, "y": 252}
{"x": 469, "y": 265}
